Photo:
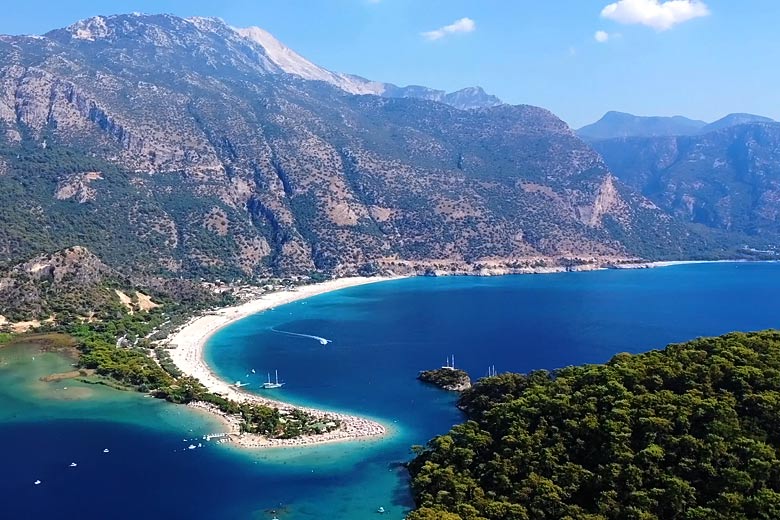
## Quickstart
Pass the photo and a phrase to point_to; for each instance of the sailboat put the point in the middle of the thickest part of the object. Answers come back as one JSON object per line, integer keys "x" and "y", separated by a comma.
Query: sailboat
{"x": 276, "y": 384}
{"x": 450, "y": 364}
{"x": 492, "y": 371}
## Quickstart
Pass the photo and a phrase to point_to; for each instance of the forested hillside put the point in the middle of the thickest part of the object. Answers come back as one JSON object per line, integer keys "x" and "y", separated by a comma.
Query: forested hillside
{"x": 688, "y": 432}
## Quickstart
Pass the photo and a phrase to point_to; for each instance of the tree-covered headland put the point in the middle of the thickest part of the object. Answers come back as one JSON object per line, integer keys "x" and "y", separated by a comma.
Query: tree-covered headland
{"x": 689, "y": 432}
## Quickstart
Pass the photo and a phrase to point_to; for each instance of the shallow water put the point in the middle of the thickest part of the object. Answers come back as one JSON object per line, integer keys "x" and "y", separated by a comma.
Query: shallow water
{"x": 381, "y": 336}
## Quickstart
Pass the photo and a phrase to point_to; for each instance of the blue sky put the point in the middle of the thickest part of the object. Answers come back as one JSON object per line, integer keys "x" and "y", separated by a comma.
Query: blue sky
{"x": 698, "y": 58}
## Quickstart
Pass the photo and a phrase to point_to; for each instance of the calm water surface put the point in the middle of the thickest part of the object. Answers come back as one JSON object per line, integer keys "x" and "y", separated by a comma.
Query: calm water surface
{"x": 382, "y": 335}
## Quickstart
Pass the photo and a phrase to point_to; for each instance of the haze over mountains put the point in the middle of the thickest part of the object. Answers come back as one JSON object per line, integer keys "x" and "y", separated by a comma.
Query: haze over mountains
{"x": 187, "y": 147}
{"x": 620, "y": 124}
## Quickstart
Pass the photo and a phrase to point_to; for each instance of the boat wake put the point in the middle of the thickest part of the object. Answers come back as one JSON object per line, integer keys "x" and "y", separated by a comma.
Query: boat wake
{"x": 323, "y": 341}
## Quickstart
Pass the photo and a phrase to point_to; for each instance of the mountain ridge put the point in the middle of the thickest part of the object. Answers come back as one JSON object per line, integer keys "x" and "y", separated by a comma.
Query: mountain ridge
{"x": 621, "y": 124}
{"x": 160, "y": 134}
{"x": 735, "y": 119}
{"x": 276, "y": 57}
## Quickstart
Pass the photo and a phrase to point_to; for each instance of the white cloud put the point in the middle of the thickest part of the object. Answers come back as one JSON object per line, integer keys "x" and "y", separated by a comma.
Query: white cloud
{"x": 601, "y": 36}
{"x": 464, "y": 25}
{"x": 654, "y": 13}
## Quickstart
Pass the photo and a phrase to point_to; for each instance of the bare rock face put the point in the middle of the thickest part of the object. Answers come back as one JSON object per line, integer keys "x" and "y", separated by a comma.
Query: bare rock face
{"x": 70, "y": 281}
{"x": 608, "y": 202}
{"x": 214, "y": 161}
{"x": 77, "y": 186}
{"x": 76, "y": 265}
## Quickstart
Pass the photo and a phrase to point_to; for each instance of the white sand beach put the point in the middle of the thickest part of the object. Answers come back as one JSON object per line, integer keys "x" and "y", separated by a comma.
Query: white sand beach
{"x": 186, "y": 351}
{"x": 670, "y": 263}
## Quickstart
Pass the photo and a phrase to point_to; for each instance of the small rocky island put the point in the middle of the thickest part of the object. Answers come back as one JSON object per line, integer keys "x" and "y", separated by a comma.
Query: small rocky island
{"x": 447, "y": 378}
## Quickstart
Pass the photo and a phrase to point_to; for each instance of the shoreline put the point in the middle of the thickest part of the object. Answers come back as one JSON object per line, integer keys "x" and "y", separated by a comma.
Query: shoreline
{"x": 671, "y": 263}
{"x": 187, "y": 345}
{"x": 600, "y": 265}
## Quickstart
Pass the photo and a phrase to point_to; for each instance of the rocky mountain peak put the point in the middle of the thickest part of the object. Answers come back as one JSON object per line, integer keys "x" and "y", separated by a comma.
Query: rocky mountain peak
{"x": 90, "y": 29}
{"x": 471, "y": 97}
{"x": 293, "y": 63}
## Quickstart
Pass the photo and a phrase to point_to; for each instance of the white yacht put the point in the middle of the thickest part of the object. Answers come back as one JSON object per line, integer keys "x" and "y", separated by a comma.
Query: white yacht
{"x": 271, "y": 385}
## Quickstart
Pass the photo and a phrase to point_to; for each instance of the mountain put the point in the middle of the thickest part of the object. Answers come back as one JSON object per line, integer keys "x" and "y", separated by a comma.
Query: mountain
{"x": 464, "y": 99}
{"x": 620, "y": 124}
{"x": 178, "y": 146}
{"x": 734, "y": 120}
{"x": 289, "y": 61}
{"x": 728, "y": 179}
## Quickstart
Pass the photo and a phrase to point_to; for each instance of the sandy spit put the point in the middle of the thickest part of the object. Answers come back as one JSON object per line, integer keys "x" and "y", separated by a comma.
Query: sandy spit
{"x": 186, "y": 350}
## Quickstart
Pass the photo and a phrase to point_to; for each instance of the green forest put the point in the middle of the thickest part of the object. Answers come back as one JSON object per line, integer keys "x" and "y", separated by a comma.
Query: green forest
{"x": 689, "y": 432}
{"x": 446, "y": 378}
{"x": 134, "y": 368}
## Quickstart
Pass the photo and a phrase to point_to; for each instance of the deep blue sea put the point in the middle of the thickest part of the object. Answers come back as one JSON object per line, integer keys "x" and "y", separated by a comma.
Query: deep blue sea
{"x": 381, "y": 336}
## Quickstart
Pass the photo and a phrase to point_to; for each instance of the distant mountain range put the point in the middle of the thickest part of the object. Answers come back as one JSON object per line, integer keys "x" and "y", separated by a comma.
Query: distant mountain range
{"x": 619, "y": 124}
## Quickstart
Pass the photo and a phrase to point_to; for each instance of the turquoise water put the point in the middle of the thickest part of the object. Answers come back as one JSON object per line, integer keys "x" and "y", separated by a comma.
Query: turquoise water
{"x": 381, "y": 336}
